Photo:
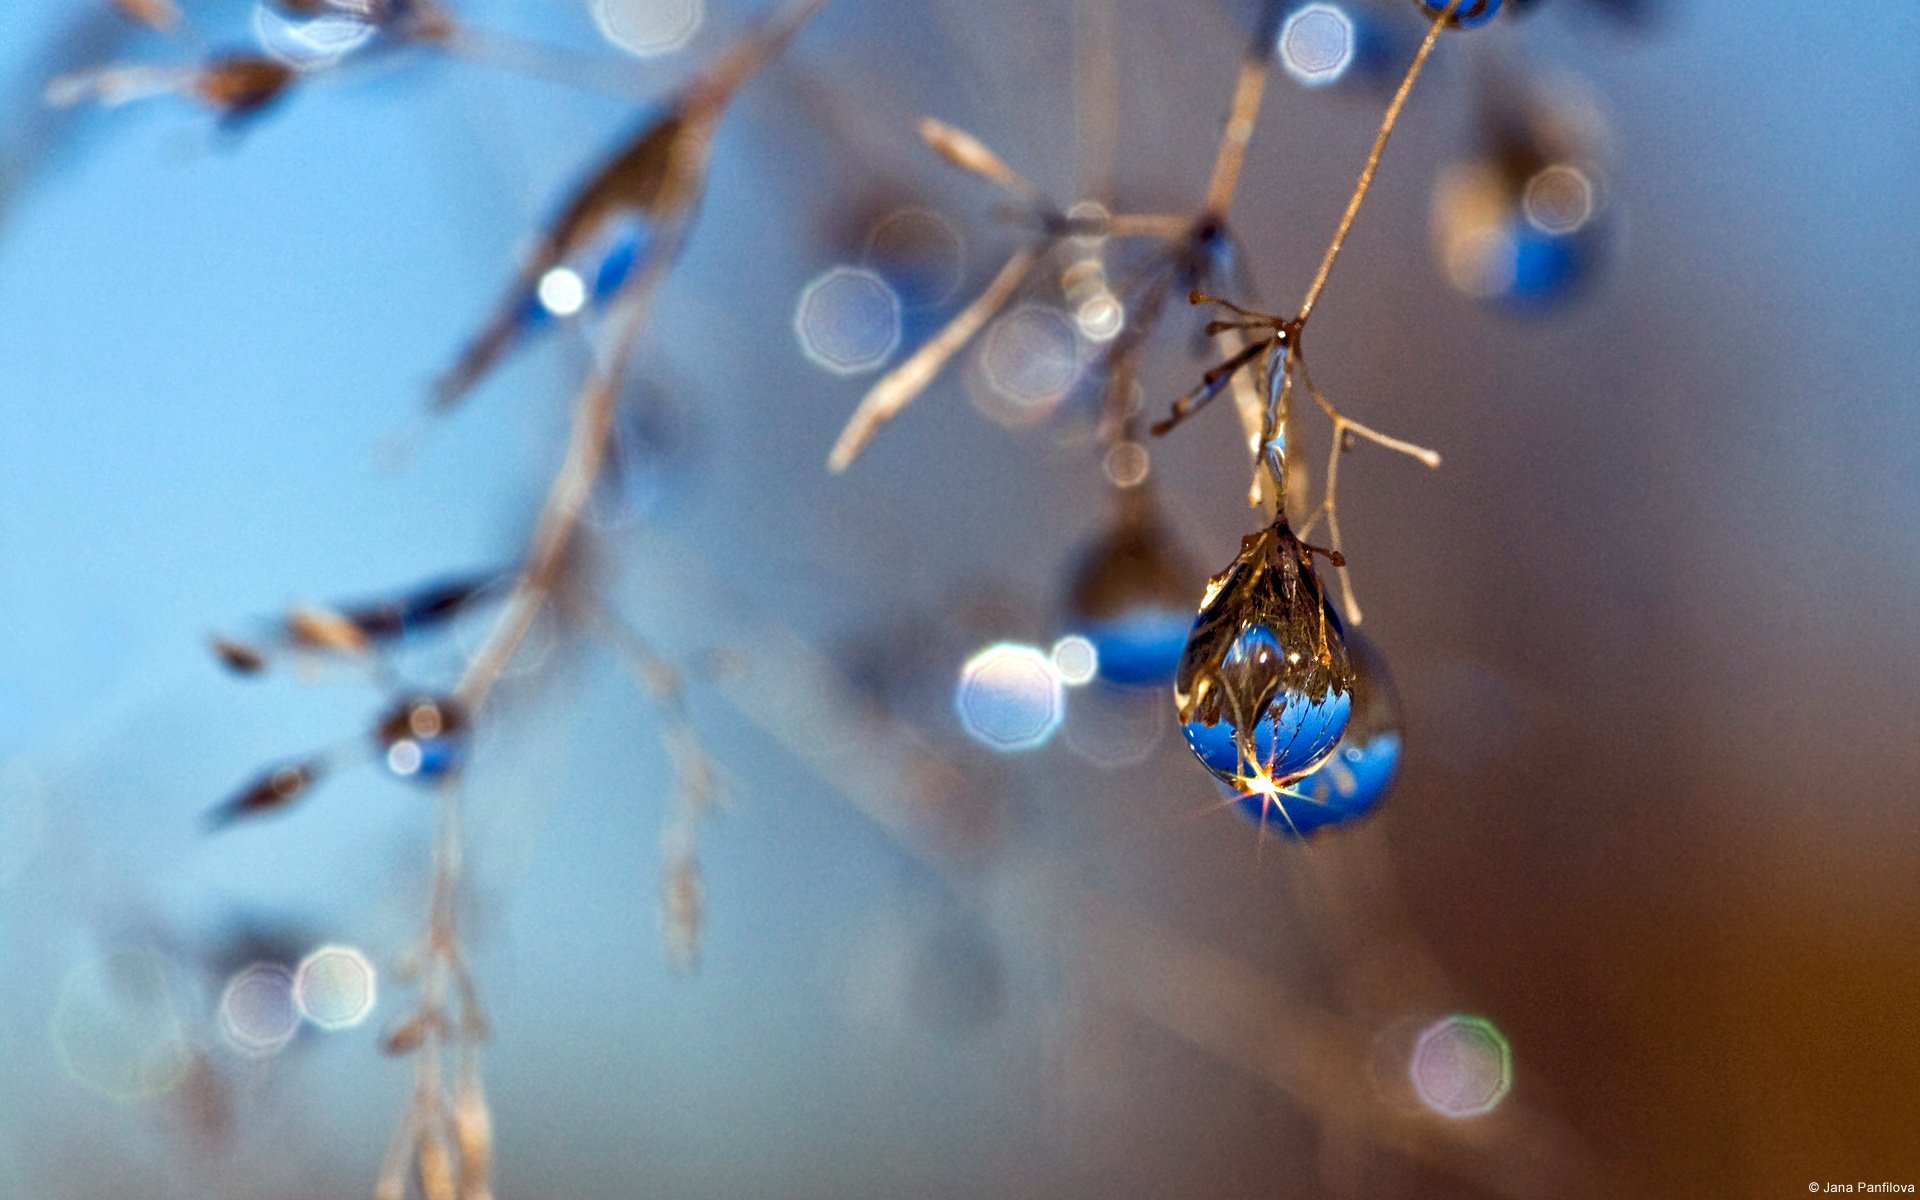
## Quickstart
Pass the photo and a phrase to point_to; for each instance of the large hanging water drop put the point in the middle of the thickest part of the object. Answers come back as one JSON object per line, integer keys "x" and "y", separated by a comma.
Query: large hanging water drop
{"x": 1360, "y": 771}
{"x": 1129, "y": 598}
{"x": 1265, "y": 685}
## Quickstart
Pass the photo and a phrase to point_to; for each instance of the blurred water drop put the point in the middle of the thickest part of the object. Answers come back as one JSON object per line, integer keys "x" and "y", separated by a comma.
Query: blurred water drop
{"x": 848, "y": 320}
{"x": 1131, "y": 596}
{"x": 1519, "y": 225}
{"x": 423, "y": 738}
{"x": 1010, "y": 698}
{"x": 1265, "y": 685}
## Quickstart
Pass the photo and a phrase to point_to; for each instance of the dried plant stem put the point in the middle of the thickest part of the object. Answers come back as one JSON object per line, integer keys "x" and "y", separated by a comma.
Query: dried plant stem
{"x": 572, "y": 487}
{"x": 1166, "y": 226}
{"x": 968, "y": 153}
{"x": 1249, "y": 87}
{"x": 696, "y": 775}
{"x": 1096, "y": 94}
{"x": 1329, "y": 506}
{"x": 899, "y": 386}
{"x": 1372, "y": 164}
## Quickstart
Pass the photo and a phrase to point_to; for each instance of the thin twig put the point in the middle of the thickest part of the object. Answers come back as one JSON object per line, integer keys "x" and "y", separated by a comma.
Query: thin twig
{"x": 968, "y": 153}
{"x": 1329, "y": 500}
{"x": 901, "y": 385}
{"x": 1372, "y": 164}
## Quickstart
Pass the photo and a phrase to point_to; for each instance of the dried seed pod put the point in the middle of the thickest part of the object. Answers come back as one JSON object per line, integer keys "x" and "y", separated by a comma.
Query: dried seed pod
{"x": 242, "y": 85}
{"x": 426, "y": 607}
{"x": 275, "y": 789}
{"x": 163, "y": 16}
{"x": 325, "y": 629}
{"x": 411, "y": 1034}
{"x": 238, "y": 657}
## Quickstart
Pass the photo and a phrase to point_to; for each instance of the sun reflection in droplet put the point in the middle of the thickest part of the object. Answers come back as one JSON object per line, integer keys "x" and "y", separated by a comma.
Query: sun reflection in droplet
{"x": 257, "y": 1013}
{"x": 649, "y": 28}
{"x": 117, "y": 1027}
{"x": 1317, "y": 44}
{"x": 335, "y": 987}
{"x": 1462, "y": 1067}
{"x": 1010, "y": 697}
{"x": 848, "y": 320}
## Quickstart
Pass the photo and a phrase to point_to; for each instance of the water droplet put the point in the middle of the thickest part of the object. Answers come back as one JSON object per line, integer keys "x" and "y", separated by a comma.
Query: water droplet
{"x": 1130, "y": 597}
{"x": 1357, "y": 775}
{"x": 424, "y": 737}
{"x": 1265, "y": 685}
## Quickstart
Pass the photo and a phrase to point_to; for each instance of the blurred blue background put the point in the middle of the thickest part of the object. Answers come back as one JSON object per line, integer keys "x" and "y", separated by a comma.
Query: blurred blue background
{"x": 1655, "y": 621}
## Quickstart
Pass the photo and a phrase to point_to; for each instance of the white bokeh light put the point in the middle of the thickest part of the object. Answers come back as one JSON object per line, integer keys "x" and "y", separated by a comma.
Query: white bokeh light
{"x": 1317, "y": 44}
{"x": 1010, "y": 697}
{"x": 335, "y": 987}
{"x": 257, "y": 1013}
{"x": 649, "y": 28}
{"x": 848, "y": 320}
{"x": 1075, "y": 660}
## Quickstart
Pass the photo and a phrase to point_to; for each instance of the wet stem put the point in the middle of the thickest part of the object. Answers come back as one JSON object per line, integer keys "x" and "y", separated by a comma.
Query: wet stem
{"x": 1267, "y": 420}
